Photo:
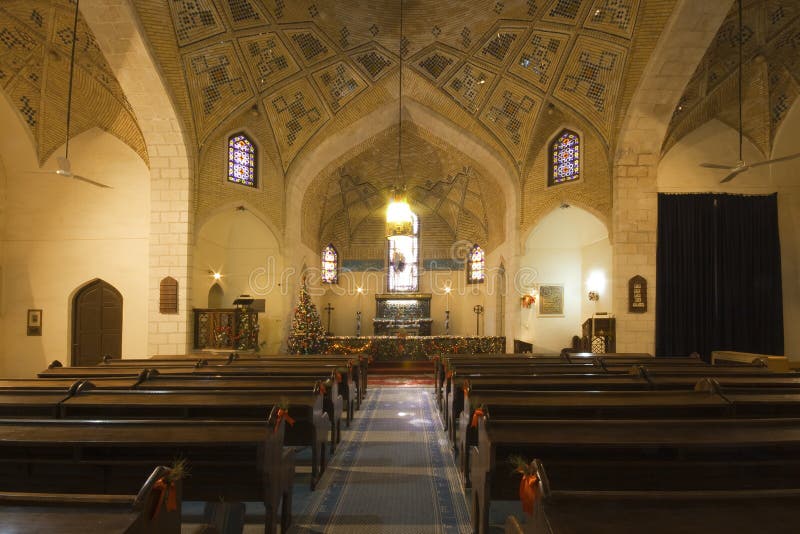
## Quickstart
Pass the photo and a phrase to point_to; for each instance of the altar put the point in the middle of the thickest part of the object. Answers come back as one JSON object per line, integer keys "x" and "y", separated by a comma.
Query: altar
{"x": 406, "y": 348}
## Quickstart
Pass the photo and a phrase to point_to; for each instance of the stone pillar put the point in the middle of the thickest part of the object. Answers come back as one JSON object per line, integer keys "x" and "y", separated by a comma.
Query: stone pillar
{"x": 116, "y": 28}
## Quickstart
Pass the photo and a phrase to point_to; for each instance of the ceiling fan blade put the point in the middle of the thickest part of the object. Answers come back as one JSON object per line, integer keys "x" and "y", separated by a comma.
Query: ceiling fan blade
{"x": 777, "y": 160}
{"x": 734, "y": 174}
{"x": 64, "y": 165}
{"x": 88, "y": 181}
{"x": 717, "y": 166}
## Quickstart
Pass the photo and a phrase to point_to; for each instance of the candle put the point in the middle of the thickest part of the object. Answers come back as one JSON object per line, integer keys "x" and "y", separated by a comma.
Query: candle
{"x": 447, "y": 290}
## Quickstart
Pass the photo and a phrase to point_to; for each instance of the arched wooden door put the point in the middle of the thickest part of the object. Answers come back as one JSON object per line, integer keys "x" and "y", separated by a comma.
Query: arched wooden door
{"x": 96, "y": 323}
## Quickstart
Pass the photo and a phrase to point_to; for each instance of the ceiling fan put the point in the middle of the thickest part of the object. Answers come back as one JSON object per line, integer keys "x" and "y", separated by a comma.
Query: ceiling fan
{"x": 741, "y": 166}
{"x": 64, "y": 166}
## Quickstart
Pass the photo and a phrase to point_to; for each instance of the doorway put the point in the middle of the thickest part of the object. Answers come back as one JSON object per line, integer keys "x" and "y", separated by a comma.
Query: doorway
{"x": 96, "y": 323}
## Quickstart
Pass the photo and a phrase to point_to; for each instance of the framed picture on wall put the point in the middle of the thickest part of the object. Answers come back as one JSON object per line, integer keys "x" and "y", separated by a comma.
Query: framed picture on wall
{"x": 34, "y": 322}
{"x": 551, "y": 300}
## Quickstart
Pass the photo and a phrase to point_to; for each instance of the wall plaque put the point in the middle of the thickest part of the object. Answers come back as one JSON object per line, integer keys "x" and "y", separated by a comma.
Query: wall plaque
{"x": 637, "y": 295}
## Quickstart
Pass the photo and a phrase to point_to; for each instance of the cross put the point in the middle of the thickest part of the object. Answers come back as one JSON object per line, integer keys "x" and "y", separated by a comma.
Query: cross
{"x": 329, "y": 309}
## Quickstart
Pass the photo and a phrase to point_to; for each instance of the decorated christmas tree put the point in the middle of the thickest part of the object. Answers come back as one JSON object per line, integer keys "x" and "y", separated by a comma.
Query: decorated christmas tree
{"x": 307, "y": 335}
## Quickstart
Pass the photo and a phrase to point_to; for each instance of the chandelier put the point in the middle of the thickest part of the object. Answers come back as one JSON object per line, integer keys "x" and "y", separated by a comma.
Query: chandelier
{"x": 399, "y": 218}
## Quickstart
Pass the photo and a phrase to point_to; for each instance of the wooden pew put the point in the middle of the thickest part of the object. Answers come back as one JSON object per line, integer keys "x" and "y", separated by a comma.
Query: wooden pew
{"x": 635, "y": 455}
{"x": 310, "y": 426}
{"x": 509, "y": 404}
{"x": 72, "y": 513}
{"x": 442, "y": 363}
{"x": 231, "y": 460}
{"x": 562, "y": 510}
{"x": 332, "y": 401}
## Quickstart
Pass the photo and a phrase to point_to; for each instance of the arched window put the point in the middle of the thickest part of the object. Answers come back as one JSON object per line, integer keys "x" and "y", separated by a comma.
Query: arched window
{"x": 330, "y": 265}
{"x": 476, "y": 266}
{"x": 403, "y": 260}
{"x": 565, "y": 158}
{"x": 241, "y": 160}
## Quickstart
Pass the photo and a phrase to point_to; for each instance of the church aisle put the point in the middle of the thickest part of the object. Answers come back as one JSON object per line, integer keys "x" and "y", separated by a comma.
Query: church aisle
{"x": 394, "y": 473}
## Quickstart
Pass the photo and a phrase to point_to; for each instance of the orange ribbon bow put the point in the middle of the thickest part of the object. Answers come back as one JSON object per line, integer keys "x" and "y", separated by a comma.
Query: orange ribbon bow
{"x": 528, "y": 492}
{"x": 449, "y": 374}
{"x": 476, "y": 415}
{"x": 322, "y": 389}
{"x": 283, "y": 414}
{"x": 164, "y": 490}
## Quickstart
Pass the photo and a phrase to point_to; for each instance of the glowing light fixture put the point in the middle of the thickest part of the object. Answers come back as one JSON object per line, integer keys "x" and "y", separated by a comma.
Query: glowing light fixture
{"x": 217, "y": 276}
{"x": 399, "y": 218}
{"x": 596, "y": 284}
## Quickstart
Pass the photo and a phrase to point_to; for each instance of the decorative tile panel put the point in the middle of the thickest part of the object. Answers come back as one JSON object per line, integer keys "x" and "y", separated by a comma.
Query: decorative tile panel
{"x": 783, "y": 92}
{"x": 510, "y": 115}
{"x": 591, "y": 79}
{"x": 500, "y": 46}
{"x": 17, "y": 46}
{"x": 217, "y": 85}
{"x": 539, "y": 58}
{"x": 339, "y": 83}
{"x": 469, "y": 86}
{"x": 195, "y": 20}
{"x": 778, "y": 15}
{"x": 434, "y": 63}
{"x": 310, "y": 45}
{"x": 296, "y": 113}
{"x": 244, "y": 13}
{"x": 268, "y": 59}
{"x": 616, "y": 17}
{"x": 564, "y": 11}
{"x": 374, "y": 63}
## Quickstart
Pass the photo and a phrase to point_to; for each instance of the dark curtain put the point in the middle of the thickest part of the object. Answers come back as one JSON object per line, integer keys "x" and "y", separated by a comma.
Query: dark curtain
{"x": 718, "y": 275}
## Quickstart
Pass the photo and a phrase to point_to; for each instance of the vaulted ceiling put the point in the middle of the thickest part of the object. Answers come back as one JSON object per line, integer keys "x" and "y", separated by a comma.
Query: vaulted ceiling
{"x": 771, "y": 74}
{"x": 35, "y": 47}
{"x": 314, "y": 66}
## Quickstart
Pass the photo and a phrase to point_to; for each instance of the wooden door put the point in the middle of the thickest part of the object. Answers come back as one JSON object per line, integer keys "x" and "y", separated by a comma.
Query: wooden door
{"x": 96, "y": 323}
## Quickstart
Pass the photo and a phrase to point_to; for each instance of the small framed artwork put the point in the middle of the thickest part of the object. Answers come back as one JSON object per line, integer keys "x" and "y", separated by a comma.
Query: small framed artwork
{"x": 551, "y": 300}
{"x": 34, "y": 322}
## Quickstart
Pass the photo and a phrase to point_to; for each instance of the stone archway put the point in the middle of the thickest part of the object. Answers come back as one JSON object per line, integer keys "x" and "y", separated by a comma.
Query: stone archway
{"x": 683, "y": 43}
{"x": 119, "y": 36}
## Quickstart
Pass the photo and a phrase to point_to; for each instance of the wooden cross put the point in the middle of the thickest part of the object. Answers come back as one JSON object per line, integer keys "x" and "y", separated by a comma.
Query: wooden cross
{"x": 329, "y": 309}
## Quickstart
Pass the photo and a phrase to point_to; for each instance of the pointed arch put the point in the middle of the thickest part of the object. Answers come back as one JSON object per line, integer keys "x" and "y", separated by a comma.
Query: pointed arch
{"x": 565, "y": 158}
{"x": 242, "y": 160}
{"x": 476, "y": 265}
{"x": 330, "y": 265}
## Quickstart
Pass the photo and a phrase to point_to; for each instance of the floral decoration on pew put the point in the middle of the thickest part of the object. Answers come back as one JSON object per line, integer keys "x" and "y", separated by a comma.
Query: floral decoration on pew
{"x": 528, "y": 485}
{"x": 164, "y": 491}
{"x": 283, "y": 414}
{"x": 477, "y": 414}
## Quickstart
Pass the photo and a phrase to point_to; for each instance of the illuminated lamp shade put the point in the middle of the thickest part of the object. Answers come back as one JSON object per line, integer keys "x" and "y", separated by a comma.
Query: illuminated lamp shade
{"x": 399, "y": 219}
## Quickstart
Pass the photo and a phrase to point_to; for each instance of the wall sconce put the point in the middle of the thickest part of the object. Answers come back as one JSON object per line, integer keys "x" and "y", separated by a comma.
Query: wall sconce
{"x": 214, "y": 274}
{"x": 596, "y": 284}
{"x": 594, "y": 296}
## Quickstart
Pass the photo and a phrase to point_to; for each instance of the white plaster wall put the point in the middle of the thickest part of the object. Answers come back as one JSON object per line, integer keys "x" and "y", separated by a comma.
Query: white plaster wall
{"x": 238, "y": 245}
{"x": 563, "y": 248}
{"x": 679, "y": 172}
{"x": 59, "y": 233}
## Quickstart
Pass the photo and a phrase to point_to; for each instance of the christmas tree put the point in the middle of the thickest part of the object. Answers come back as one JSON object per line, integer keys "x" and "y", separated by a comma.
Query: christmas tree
{"x": 307, "y": 335}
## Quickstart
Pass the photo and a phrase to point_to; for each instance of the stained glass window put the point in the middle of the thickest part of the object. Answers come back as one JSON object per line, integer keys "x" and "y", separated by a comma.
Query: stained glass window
{"x": 241, "y": 160}
{"x": 330, "y": 265}
{"x": 476, "y": 266}
{"x": 403, "y": 260}
{"x": 565, "y": 158}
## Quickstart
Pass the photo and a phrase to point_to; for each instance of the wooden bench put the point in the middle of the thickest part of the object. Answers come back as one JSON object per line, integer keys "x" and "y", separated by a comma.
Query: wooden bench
{"x": 231, "y": 460}
{"x": 563, "y": 510}
{"x": 505, "y": 404}
{"x": 74, "y": 513}
{"x": 310, "y": 426}
{"x": 635, "y": 455}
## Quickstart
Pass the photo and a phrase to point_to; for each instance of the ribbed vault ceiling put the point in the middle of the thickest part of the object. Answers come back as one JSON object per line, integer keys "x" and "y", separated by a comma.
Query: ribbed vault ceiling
{"x": 35, "y": 47}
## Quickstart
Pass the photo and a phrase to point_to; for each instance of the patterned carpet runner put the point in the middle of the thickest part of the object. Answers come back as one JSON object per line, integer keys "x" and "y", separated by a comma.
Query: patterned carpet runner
{"x": 393, "y": 472}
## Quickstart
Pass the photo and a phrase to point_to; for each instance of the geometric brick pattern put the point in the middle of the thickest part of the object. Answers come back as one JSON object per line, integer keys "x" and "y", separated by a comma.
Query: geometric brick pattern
{"x": 217, "y": 85}
{"x": 245, "y": 13}
{"x": 511, "y": 114}
{"x": 339, "y": 83}
{"x": 500, "y": 46}
{"x": 268, "y": 59}
{"x": 374, "y": 63}
{"x": 563, "y": 11}
{"x": 616, "y": 17}
{"x": 194, "y": 20}
{"x": 434, "y": 63}
{"x": 296, "y": 114}
{"x": 469, "y": 86}
{"x": 310, "y": 46}
{"x": 591, "y": 79}
{"x": 539, "y": 58}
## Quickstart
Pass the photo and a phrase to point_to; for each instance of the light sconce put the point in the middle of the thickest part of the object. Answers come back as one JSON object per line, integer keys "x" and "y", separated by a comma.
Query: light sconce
{"x": 214, "y": 274}
{"x": 594, "y": 296}
{"x": 596, "y": 283}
